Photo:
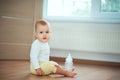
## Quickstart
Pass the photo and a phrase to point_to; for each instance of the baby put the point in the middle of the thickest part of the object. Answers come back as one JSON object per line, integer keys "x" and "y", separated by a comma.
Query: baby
{"x": 40, "y": 53}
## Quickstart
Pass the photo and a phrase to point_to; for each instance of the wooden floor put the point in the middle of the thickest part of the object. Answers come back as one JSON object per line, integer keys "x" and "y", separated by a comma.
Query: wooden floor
{"x": 19, "y": 70}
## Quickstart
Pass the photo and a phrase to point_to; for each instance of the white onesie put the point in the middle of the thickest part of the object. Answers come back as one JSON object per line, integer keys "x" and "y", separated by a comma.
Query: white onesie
{"x": 39, "y": 52}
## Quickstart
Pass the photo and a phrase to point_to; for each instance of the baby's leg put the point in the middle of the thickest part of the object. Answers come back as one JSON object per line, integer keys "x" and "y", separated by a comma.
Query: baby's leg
{"x": 64, "y": 72}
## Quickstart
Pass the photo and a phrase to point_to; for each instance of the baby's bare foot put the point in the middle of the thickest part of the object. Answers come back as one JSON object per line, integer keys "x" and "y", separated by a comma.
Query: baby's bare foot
{"x": 70, "y": 74}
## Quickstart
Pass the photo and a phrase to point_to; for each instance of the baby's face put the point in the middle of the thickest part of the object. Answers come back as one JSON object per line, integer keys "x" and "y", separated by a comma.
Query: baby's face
{"x": 43, "y": 33}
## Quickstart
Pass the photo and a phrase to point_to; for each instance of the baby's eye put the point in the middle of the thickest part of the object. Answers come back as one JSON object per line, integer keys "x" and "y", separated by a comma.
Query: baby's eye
{"x": 41, "y": 32}
{"x": 47, "y": 32}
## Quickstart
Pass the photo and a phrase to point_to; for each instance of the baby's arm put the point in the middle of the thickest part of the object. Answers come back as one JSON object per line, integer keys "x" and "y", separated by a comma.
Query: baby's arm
{"x": 34, "y": 58}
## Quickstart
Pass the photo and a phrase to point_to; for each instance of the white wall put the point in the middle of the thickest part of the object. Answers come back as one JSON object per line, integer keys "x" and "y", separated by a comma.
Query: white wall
{"x": 86, "y": 40}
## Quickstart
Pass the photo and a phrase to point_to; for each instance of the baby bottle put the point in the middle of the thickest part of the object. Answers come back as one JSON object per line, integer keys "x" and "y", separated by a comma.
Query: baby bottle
{"x": 68, "y": 63}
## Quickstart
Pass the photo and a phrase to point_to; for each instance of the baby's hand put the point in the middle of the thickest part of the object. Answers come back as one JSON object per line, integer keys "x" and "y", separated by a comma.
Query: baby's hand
{"x": 39, "y": 71}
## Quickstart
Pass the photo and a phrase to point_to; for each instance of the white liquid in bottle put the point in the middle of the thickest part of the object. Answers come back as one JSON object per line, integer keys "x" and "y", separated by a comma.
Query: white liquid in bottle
{"x": 69, "y": 63}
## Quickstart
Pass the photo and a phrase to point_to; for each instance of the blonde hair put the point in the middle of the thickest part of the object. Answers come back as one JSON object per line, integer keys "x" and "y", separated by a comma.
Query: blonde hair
{"x": 41, "y": 22}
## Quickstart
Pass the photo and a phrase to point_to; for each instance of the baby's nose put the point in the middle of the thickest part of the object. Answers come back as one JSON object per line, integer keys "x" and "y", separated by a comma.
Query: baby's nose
{"x": 44, "y": 34}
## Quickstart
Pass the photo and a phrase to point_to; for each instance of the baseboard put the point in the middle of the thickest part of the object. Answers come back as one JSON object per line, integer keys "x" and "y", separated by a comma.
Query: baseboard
{"x": 91, "y": 62}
